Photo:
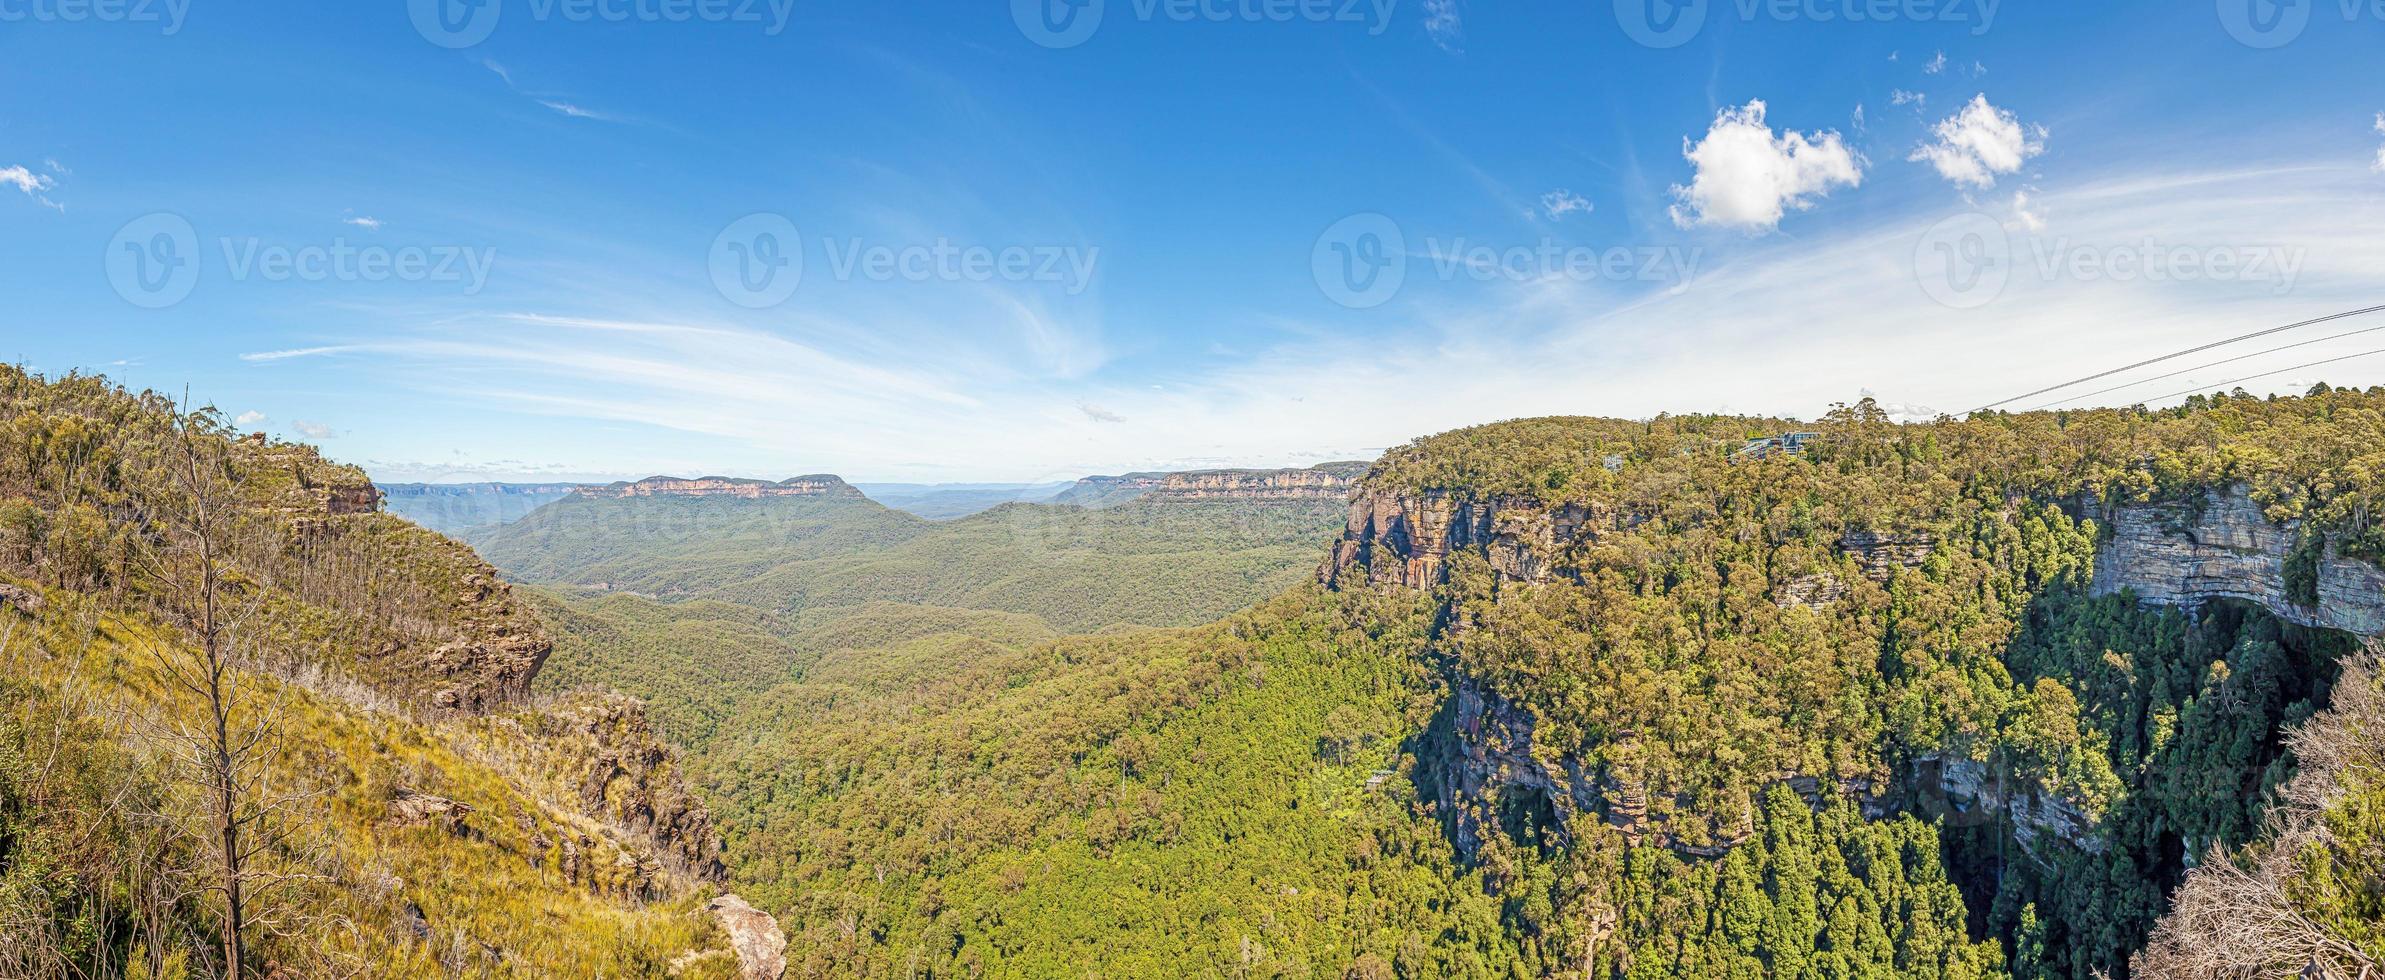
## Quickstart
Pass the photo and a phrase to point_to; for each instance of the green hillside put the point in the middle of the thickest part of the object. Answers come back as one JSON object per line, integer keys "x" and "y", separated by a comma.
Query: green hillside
{"x": 1178, "y": 563}
{"x": 223, "y": 673}
{"x": 1712, "y": 735}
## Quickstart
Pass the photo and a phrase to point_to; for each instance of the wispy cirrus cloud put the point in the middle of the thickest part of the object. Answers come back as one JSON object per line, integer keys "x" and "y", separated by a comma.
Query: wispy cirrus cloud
{"x": 284, "y": 355}
{"x": 34, "y": 185}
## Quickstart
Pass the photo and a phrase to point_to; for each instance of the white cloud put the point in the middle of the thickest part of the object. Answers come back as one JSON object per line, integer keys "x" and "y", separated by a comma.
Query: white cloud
{"x": 1936, "y": 65}
{"x": 1859, "y": 126}
{"x": 35, "y": 186}
{"x": 312, "y": 430}
{"x": 1902, "y": 97}
{"x": 1556, "y": 204}
{"x": 24, "y": 180}
{"x": 2022, "y": 211}
{"x": 2379, "y": 166}
{"x": 250, "y": 420}
{"x": 1444, "y": 25}
{"x": 1979, "y": 143}
{"x": 365, "y": 222}
{"x": 1098, "y": 413}
{"x": 1747, "y": 178}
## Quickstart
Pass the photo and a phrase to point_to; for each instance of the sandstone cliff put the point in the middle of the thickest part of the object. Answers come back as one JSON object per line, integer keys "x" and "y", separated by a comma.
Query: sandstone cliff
{"x": 2186, "y": 555}
{"x": 1406, "y": 540}
{"x": 602, "y": 743}
{"x": 817, "y": 485}
{"x": 1485, "y": 758}
{"x": 1331, "y": 481}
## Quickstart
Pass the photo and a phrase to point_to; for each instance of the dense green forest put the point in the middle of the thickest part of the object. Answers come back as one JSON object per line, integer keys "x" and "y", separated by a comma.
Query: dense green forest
{"x": 1175, "y": 563}
{"x": 1995, "y": 769}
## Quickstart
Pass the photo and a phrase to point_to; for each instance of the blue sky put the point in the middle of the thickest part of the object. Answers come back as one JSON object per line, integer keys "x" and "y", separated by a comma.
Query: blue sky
{"x": 1239, "y": 232}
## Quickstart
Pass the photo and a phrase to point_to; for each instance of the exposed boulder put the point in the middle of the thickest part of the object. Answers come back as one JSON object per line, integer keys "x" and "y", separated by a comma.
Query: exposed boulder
{"x": 761, "y": 946}
{"x": 411, "y": 809}
{"x": 21, "y": 599}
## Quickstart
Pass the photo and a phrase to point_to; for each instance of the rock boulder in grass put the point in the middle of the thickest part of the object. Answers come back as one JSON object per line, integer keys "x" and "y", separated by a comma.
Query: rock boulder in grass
{"x": 21, "y": 599}
{"x": 411, "y": 809}
{"x": 761, "y": 946}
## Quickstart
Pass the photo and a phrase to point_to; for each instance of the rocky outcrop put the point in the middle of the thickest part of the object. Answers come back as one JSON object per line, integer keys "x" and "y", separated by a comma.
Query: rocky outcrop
{"x": 1966, "y": 792}
{"x": 761, "y": 946}
{"x": 1405, "y": 540}
{"x": 604, "y": 746}
{"x": 489, "y": 659}
{"x": 818, "y": 485}
{"x": 1483, "y": 762}
{"x": 1881, "y": 555}
{"x": 2226, "y": 548}
{"x": 21, "y": 599}
{"x": 1331, "y": 481}
{"x": 411, "y": 809}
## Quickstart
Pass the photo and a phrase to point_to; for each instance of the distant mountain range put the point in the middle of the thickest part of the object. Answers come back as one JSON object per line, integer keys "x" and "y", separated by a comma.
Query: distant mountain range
{"x": 454, "y": 508}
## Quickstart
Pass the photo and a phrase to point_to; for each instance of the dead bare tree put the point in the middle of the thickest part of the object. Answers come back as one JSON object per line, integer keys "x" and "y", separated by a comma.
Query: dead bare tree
{"x": 226, "y": 747}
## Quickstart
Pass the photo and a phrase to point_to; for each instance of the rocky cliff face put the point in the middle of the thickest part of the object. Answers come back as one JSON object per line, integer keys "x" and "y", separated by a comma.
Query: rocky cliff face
{"x": 820, "y": 485}
{"x": 1328, "y": 482}
{"x": 1484, "y": 759}
{"x": 605, "y": 746}
{"x": 491, "y": 654}
{"x": 2182, "y": 555}
{"x": 1406, "y": 540}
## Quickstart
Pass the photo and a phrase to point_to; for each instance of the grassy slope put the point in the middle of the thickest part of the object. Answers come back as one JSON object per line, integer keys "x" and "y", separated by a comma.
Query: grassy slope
{"x": 493, "y": 898}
